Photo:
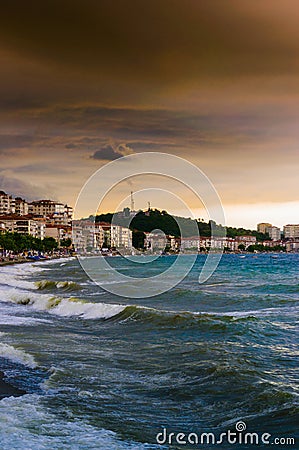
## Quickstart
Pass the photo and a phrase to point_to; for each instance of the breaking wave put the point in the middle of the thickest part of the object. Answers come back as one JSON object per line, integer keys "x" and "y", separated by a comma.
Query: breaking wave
{"x": 73, "y": 306}
{"x": 17, "y": 355}
{"x": 65, "y": 307}
{"x": 50, "y": 284}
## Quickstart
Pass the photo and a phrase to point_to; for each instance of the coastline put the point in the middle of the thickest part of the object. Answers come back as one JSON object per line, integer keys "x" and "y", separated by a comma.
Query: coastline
{"x": 14, "y": 261}
{"x": 9, "y": 262}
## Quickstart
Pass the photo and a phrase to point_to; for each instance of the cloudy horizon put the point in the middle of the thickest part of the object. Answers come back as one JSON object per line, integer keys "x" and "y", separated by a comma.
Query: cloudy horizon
{"x": 213, "y": 82}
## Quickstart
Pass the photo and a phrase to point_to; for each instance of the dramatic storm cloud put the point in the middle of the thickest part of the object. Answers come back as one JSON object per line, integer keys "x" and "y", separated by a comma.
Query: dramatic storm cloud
{"x": 110, "y": 152}
{"x": 83, "y": 83}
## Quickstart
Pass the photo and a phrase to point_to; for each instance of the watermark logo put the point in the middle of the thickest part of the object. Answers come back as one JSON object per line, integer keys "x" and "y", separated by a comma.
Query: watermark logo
{"x": 240, "y": 426}
{"x": 238, "y": 436}
{"x": 168, "y": 167}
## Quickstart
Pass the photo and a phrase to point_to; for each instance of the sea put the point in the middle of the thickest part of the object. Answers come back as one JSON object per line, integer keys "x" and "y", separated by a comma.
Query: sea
{"x": 108, "y": 372}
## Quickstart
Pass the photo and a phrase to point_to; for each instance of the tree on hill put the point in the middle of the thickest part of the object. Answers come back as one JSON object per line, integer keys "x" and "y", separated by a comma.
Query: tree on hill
{"x": 172, "y": 225}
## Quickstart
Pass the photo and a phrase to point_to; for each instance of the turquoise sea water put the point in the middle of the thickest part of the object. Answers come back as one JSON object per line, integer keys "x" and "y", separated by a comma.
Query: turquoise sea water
{"x": 106, "y": 372}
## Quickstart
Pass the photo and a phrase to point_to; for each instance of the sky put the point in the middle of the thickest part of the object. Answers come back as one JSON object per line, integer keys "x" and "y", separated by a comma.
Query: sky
{"x": 83, "y": 83}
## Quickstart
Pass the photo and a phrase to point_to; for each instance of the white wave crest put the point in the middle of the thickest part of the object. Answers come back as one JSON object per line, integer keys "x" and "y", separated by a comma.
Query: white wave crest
{"x": 17, "y": 355}
{"x": 73, "y": 307}
{"x": 65, "y": 307}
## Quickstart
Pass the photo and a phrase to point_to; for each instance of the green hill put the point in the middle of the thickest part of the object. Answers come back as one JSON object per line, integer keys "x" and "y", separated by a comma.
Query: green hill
{"x": 154, "y": 219}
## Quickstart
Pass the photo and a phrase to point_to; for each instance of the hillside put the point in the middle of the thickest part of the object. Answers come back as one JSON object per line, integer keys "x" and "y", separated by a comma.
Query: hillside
{"x": 155, "y": 219}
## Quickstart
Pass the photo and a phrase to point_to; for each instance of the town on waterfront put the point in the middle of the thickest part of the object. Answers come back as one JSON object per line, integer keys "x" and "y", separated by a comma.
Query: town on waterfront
{"x": 46, "y": 227}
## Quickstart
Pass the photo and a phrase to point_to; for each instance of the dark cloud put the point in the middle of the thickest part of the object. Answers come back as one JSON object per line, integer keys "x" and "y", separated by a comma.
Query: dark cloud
{"x": 107, "y": 153}
{"x": 156, "y": 40}
{"x": 215, "y": 82}
{"x": 110, "y": 152}
{"x": 158, "y": 130}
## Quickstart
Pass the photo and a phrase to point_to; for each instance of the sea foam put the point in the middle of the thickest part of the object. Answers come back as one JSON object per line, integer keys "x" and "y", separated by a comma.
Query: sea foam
{"x": 17, "y": 355}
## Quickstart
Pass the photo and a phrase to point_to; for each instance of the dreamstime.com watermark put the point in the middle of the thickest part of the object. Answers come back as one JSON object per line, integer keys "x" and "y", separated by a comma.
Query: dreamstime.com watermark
{"x": 143, "y": 165}
{"x": 238, "y": 436}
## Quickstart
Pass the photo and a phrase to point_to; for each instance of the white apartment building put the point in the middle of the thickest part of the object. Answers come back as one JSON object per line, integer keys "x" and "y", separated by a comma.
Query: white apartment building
{"x": 10, "y": 205}
{"x": 214, "y": 243}
{"x": 24, "y": 225}
{"x": 56, "y": 212}
{"x": 190, "y": 243}
{"x": 6, "y": 204}
{"x": 89, "y": 236}
{"x": 291, "y": 231}
{"x": 121, "y": 237}
{"x": 21, "y": 207}
{"x": 274, "y": 233}
{"x": 156, "y": 242}
{"x": 84, "y": 235}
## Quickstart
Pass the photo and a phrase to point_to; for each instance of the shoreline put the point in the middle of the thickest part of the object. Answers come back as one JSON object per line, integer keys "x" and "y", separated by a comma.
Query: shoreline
{"x": 7, "y": 390}
{"x": 10, "y": 262}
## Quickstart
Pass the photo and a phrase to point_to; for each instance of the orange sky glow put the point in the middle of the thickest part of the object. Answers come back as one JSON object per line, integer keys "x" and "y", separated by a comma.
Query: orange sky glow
{"x": 217, "y": 83}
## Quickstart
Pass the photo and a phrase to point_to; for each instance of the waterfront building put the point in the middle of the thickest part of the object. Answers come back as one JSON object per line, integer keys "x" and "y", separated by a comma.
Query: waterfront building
{"x": 262, "y": 227}
{"x": 156, "y": 242}
{"x": 291, "y": 231}
{"x": 274, "y": 233}
{"x": 24, "y": 225}
{"x": 192, "y": 243}
{"x": 292, "y": 246}
{"x": 84, "y": 236}
{"x": 58, "y": 232}
{"x": 121, "y": 237}
{"x": 21, "y": 207}
{"x": 7, "y": 204}
{"x": 103, "y": 235}
{"x": 89, "y": 236}
{"x": 246, "y": 240}
{"x": 56, "y": 213}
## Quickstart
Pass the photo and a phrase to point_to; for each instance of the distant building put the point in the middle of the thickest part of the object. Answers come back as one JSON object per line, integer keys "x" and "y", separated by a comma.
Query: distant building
{"x": 103, "y": 234}
{"x": 262, "y": 227}
{"x": 231, "y": 244}
{"x": 5, "y": 203}
{"x": 156, "y": 242}
{"x": 291, "y": 231}
{"x": 89, "y": 236}
{"x": 190, "y": 243}
{"x": 21, "y": 207}
{"x": 292, "y": 246}
{"x": 10, "y": 205}
{"x": 56, "y": 213}
{"x": 58, "y": 232}
{"x": 24, "y": 225}
{"x": 121, "y": 237}
{"x": 246, "y": 240}
{"x": 84, "y": 235}
{"x": 274, "y": 233}
{"x": 273, "y": 243}
{"x": 174, "y": 242}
